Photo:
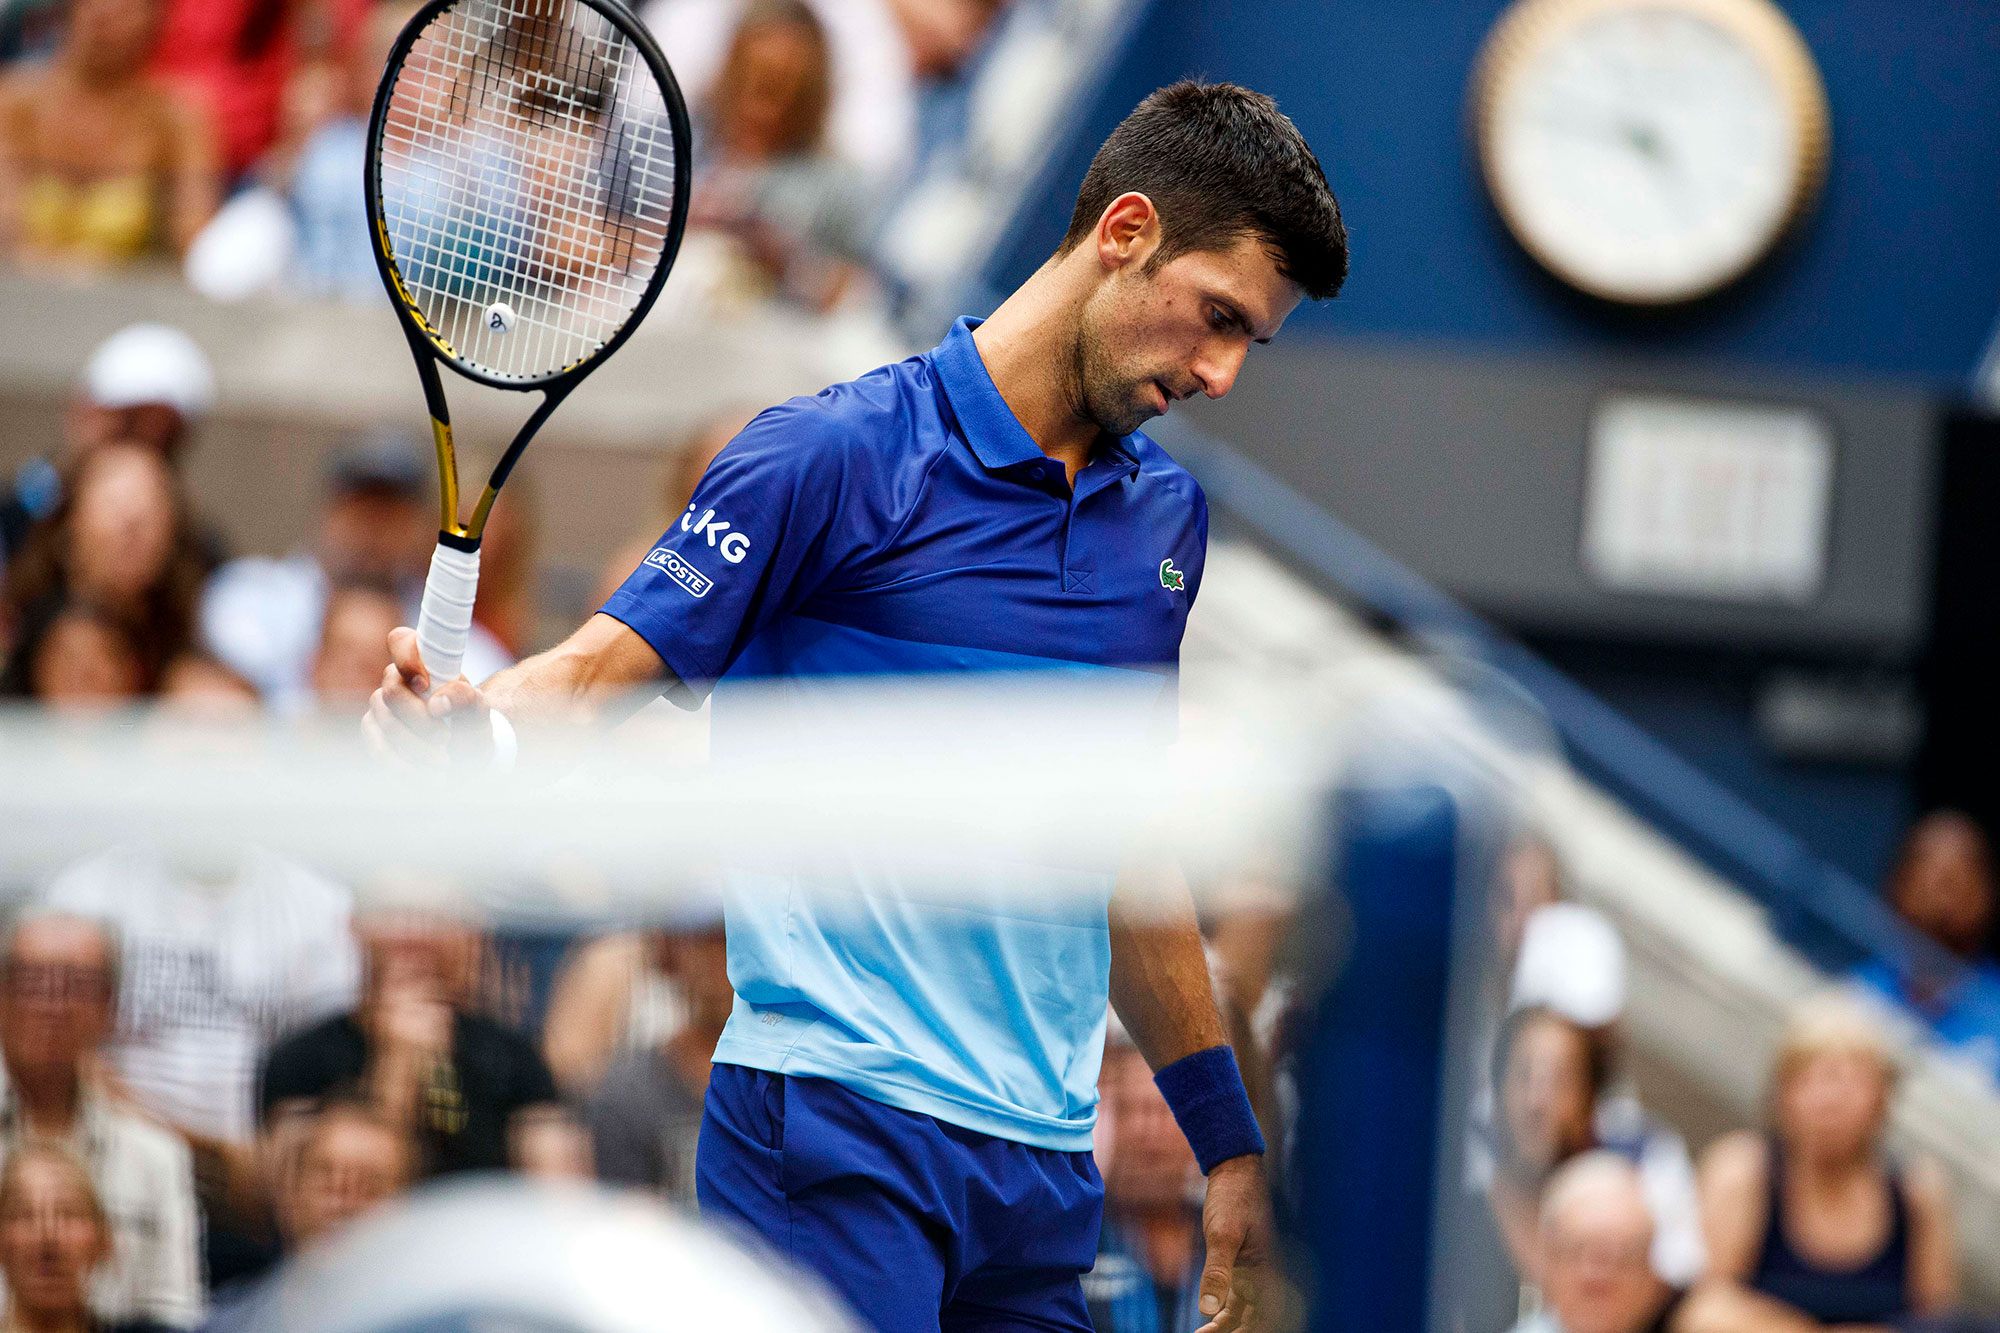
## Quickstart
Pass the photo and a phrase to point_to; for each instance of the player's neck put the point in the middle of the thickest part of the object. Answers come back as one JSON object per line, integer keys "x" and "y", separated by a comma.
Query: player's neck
{"x": 1027, "y": 346}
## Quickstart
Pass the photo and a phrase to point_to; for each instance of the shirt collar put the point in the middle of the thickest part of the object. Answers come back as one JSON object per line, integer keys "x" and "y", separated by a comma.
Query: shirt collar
{"x": 996, "y": 435}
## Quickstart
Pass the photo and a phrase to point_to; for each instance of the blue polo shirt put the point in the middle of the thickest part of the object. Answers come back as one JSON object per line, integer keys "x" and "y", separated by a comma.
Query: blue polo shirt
{"x": 906, "y": 524}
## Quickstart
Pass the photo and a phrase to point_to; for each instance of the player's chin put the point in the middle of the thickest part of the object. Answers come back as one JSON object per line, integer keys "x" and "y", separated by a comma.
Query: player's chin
{"x": 1133, "y": 413}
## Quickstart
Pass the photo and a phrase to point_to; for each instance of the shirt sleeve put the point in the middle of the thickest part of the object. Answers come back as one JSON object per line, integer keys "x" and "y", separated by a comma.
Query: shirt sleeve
{"x": 778, "y": 513}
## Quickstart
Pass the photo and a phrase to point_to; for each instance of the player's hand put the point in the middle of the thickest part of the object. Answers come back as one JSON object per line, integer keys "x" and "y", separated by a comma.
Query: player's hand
{"x": 408, "y": 720}
{"x": 1238, "y": 1288}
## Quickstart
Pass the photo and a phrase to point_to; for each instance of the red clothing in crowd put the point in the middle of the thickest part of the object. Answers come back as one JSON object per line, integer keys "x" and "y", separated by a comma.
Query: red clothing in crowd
{"x": 236, "y": 55}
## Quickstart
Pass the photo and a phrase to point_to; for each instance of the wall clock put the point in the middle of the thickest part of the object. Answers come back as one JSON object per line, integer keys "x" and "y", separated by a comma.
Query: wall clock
{"x": 1649, "y": 152}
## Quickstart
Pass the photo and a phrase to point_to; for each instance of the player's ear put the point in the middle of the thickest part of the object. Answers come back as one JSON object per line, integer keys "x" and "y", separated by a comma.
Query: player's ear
{"x": 1128, "y": 231}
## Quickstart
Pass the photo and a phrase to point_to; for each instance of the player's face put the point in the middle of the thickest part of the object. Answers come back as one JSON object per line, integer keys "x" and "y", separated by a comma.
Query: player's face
{"x": 1150, "y": 337}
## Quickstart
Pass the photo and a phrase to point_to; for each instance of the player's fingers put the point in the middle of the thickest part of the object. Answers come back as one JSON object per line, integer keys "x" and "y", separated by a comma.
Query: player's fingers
{"x": 464, "y": 710}
{"x": 457, "y": 698}
{"x": 1215, "y": 1282}
{"x": 402, "y": 703}
{"x": 408, "y": 658}
{"x": 1236, "y": 1317}
{"x": 394, "y": 732}
{"x": 422, "y": 747}
{"x": 1239, "y": 1306}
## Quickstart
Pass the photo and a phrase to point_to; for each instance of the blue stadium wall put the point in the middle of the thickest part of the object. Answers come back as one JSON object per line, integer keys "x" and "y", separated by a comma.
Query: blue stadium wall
{"x": 1896, "y": 274}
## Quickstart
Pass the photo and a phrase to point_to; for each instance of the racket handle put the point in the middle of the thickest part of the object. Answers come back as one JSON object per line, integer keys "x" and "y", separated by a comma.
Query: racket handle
{"x": 444, "y": 622}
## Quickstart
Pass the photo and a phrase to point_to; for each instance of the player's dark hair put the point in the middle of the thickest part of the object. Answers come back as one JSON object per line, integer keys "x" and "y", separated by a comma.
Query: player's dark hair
{"x": 1221, "y": 162}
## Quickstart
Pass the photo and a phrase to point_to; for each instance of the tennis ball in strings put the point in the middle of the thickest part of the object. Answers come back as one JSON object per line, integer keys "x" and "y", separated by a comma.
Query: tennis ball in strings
{"x": 500, "y": 317}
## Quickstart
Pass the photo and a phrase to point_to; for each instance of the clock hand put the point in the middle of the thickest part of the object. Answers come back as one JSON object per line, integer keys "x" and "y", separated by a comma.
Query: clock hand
{"x": 1604, "y": 128}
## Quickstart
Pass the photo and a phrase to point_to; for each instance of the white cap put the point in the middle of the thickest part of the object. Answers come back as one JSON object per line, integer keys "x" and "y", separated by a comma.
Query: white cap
{"x": 245, "y": 249}
{"x": 1573, "y": 962}
{"x": 151, "y": 363}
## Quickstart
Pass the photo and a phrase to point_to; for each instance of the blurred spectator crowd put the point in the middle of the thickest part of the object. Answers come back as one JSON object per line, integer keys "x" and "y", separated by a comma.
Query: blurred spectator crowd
{"x": 1583, "y": 1212}
{"x": 114, "y": 590}
{"x": 227, "y": 136}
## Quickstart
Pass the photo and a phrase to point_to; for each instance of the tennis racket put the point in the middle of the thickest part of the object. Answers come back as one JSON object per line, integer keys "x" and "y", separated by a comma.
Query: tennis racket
{"x": 527, "y": 184}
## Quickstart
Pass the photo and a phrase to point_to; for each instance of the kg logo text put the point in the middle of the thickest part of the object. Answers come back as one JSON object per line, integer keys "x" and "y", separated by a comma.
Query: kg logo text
{"x": 719, "y": 535}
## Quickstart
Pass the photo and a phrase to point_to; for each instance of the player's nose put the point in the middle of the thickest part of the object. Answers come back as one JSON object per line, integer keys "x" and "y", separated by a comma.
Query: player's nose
{"x": 1216, "y": 372}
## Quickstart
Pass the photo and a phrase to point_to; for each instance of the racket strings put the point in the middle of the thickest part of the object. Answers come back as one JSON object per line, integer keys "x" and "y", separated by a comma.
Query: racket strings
{"x": 527, "y": 159}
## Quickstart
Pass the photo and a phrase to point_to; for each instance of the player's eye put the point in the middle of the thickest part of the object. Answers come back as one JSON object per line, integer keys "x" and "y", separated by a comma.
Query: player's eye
{"x": 1220, "y": 320}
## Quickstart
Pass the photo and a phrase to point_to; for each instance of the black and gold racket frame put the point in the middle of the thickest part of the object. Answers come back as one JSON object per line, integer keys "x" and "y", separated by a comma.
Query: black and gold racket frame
{"x": 429, "y": 348}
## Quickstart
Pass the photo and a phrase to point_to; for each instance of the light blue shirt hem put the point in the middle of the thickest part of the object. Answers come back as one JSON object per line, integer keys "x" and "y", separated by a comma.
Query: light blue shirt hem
{"x": 1034, "y": 1131}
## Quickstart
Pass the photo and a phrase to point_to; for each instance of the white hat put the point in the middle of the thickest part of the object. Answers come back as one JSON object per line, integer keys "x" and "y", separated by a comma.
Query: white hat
{"x": 151, "y": 363}
{"x": 1573, "y": 962}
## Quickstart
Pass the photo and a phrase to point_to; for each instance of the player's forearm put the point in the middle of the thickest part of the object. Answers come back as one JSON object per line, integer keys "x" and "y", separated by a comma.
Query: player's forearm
{"x": 1159, "y": 979}
{"x": 595, "y": 676}
{"x": 1160, "y": 986}
{"x": 548, "y": 687}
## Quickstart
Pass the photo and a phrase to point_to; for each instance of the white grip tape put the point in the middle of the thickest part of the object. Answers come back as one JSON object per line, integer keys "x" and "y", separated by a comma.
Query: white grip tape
{"x": 444, "y": 624}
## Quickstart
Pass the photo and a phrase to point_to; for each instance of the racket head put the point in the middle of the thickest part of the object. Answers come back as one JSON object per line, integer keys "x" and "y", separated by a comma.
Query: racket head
{"x": 528, "y": 165}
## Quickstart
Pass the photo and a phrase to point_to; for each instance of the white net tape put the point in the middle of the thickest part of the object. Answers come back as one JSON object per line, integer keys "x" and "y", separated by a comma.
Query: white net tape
{"x": 929, "y": 784}
{"x": 527, "y": 181}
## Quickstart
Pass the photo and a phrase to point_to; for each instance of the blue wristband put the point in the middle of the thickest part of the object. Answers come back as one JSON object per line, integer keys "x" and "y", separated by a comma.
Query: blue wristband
{"x": 1206, "y": 1094}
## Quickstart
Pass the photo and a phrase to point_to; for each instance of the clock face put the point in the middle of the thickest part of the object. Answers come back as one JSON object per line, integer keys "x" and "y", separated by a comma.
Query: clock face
{"x": 1649, "y": 151}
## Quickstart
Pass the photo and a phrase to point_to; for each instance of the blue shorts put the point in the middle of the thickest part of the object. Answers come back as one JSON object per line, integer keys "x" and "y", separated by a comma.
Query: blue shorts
{"x": 922, "y": 1226}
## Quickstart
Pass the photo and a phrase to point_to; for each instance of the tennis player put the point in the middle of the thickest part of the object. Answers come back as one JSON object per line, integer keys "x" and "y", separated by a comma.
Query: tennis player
{"x": 904, "y": 1094}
